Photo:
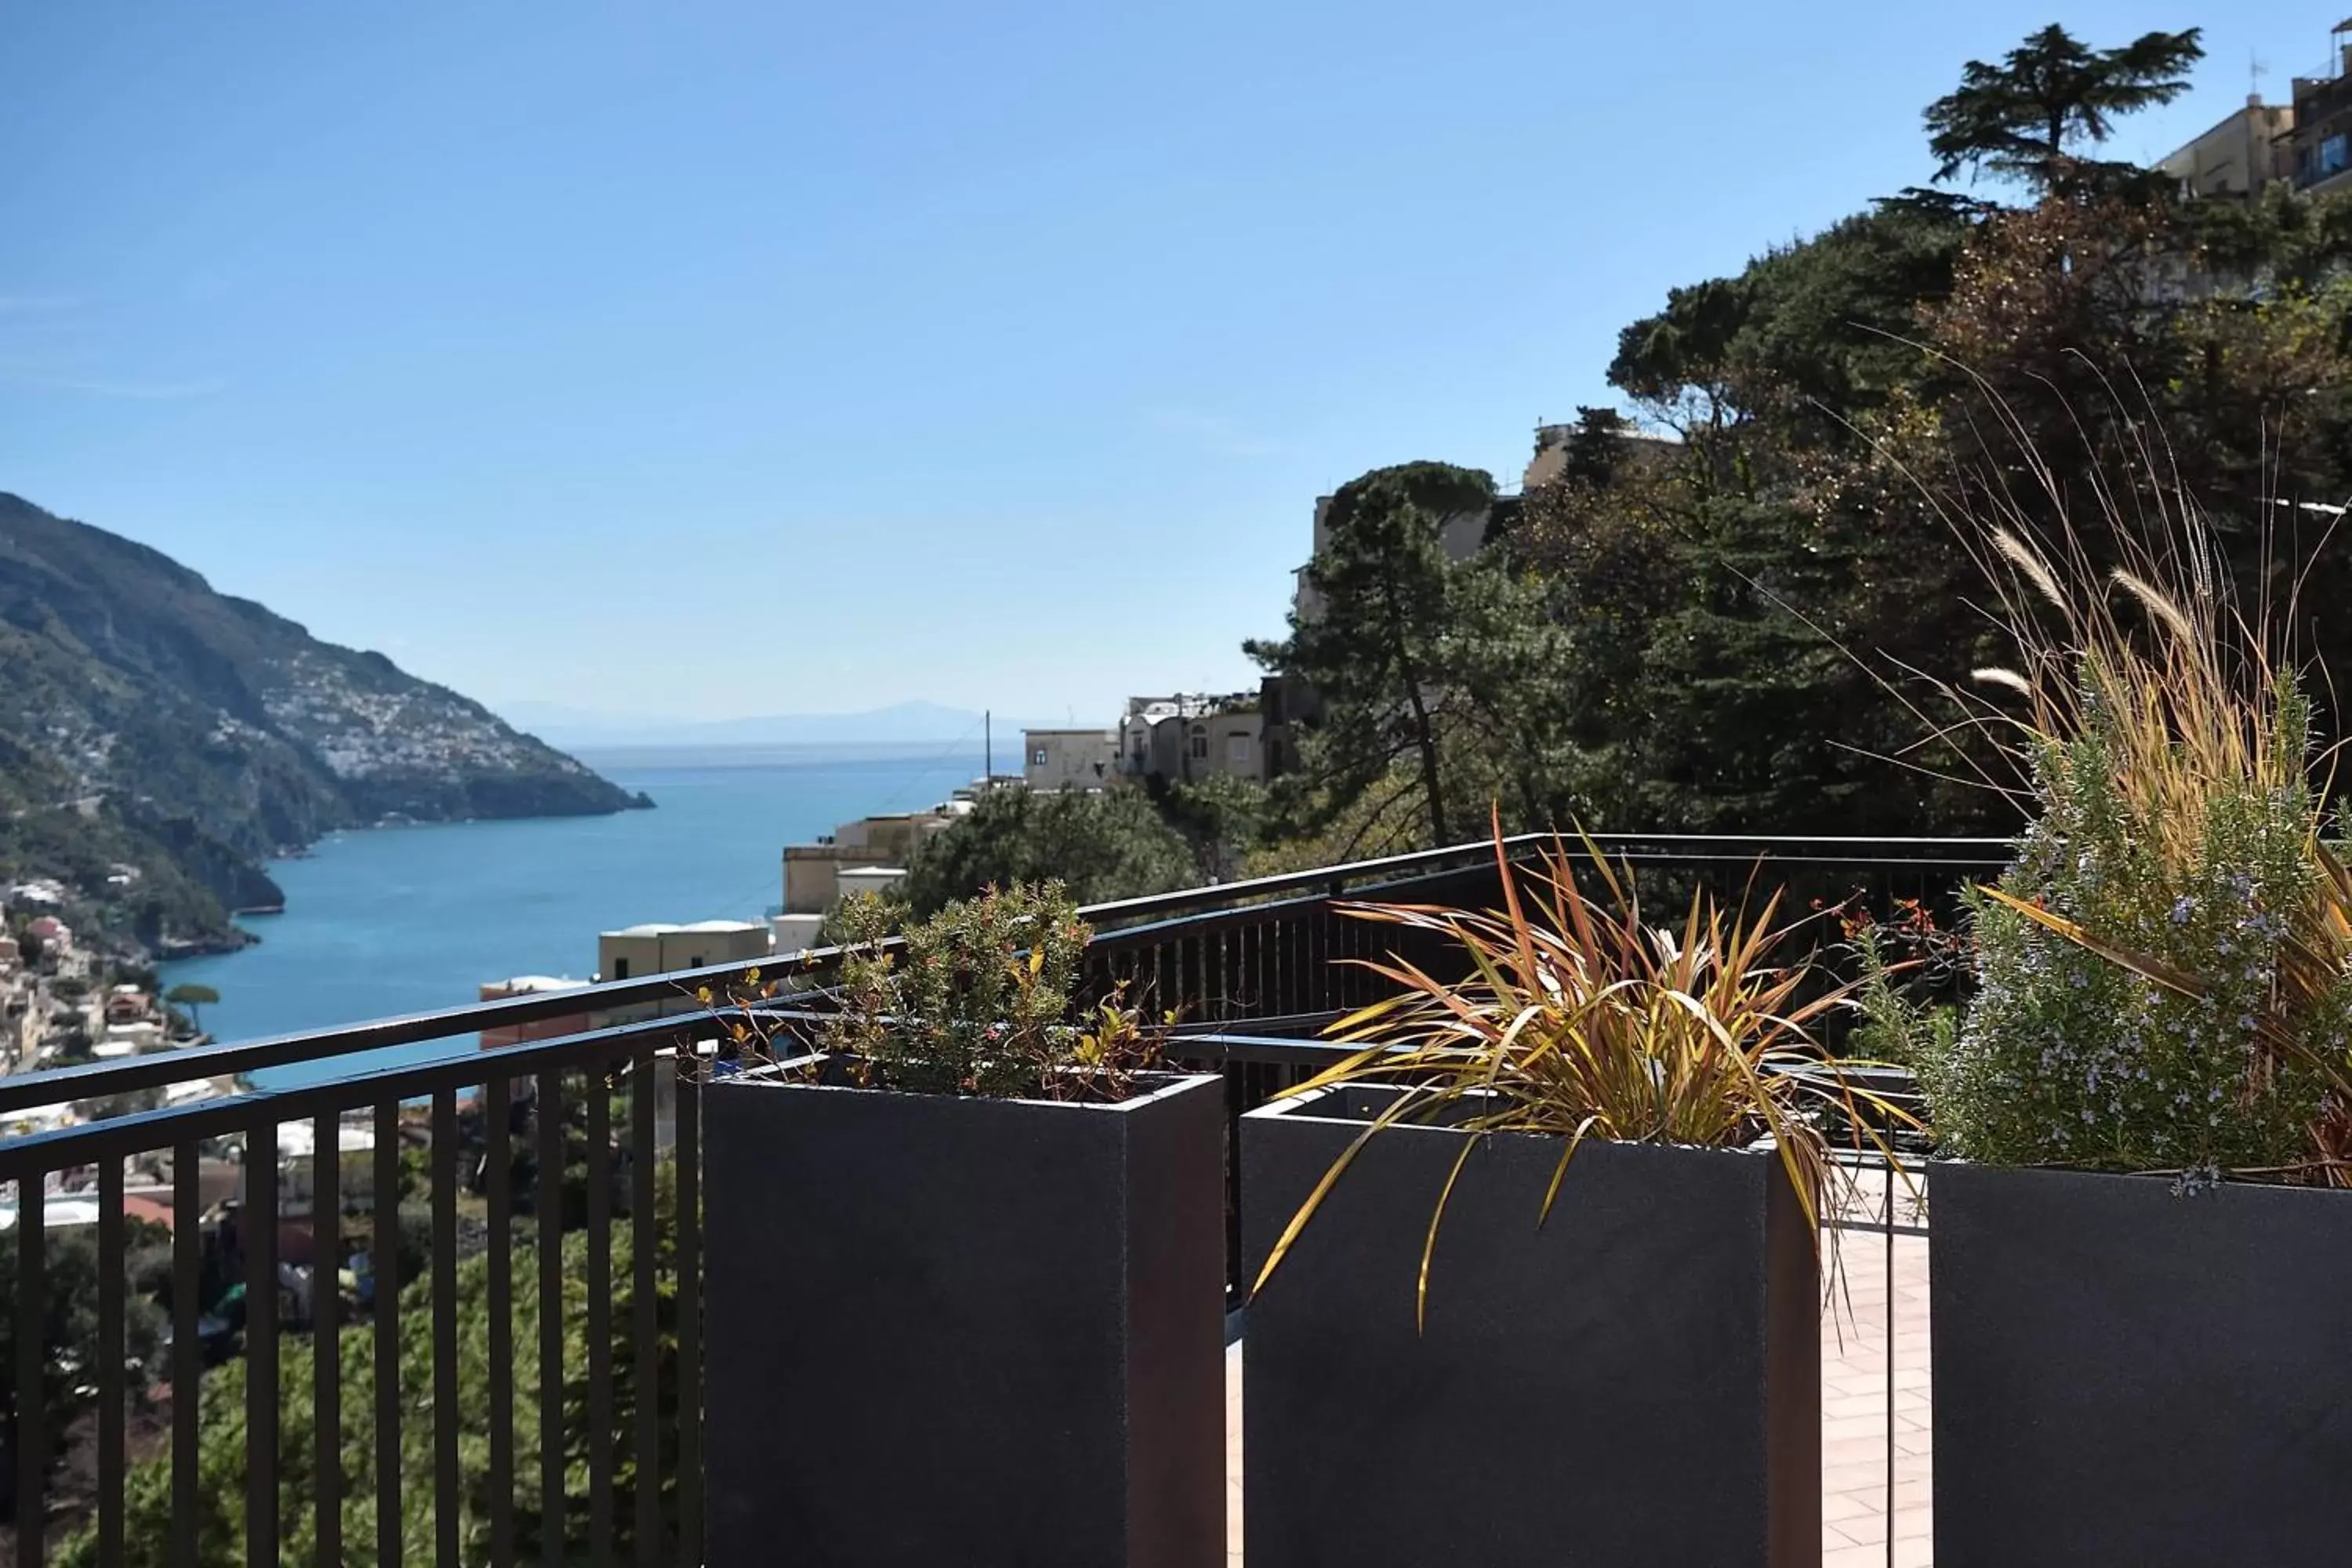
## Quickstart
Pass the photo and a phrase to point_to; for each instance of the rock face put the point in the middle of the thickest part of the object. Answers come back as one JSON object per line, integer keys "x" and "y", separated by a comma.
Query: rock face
{"x": 158, "y": 740}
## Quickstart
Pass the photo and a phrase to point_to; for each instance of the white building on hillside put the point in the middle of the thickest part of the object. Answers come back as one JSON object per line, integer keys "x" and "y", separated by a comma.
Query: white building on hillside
{"x": 1068, "y": 759}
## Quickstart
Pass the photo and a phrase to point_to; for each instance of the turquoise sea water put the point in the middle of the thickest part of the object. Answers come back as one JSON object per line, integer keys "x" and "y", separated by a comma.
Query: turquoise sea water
{"x": 407, "y": 919}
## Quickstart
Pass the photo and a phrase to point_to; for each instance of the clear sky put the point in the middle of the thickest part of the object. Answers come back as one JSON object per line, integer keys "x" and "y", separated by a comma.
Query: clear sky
{"x": 742, "y": 356}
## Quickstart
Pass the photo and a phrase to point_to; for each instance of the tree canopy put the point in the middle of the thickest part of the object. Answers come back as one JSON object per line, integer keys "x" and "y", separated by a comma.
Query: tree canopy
{"x": 1722, "y": 619}
{"x": 1101, "y": 845}
{"x": 1423, "y": 665}
{"x": 2020, "y": 119}
{"x": 69, "y": 1336}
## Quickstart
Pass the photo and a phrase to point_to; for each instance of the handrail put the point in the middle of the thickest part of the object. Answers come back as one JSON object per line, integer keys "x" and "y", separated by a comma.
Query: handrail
{"x": 1131, "y": 922}
{"x": 1990, "y": 854}
{"x": 161, "y": 1128}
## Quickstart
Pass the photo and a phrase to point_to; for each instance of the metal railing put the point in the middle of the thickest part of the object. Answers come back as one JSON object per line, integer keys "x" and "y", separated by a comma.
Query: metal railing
{"x": 513, "y": 1371}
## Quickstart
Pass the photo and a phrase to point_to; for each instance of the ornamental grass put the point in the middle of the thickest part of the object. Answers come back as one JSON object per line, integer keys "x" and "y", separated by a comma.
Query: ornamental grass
{"x": 2163, "y": 977}
{"x": 1582, "y": 1020}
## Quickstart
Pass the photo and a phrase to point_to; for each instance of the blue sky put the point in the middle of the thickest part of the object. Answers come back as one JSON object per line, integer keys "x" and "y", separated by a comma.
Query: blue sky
{"x": 741, "y": 357}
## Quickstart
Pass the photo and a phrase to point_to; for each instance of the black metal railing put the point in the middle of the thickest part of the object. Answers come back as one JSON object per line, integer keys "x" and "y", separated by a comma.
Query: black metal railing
{"x": 469, "y": 1328}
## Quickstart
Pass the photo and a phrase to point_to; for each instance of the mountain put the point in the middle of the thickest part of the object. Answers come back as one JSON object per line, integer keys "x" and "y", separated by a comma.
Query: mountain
{"x": 901, "y": 724}
{"x": 158, "y": 740}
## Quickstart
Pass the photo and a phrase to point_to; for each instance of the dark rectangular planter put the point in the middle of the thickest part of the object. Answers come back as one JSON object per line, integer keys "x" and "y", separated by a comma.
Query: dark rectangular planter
{"x": 1638, "y": 1382}
{"x": 947, "y": 1331}
{"x": 2126, "y": 1375}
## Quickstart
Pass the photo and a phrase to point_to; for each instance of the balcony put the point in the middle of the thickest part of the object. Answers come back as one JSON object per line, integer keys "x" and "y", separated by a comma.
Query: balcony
{"x": 440, "y": 1356}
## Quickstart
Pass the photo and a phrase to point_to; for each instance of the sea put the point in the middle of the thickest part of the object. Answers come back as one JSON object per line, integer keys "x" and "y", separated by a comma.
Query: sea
{"x": 388, "y": 920}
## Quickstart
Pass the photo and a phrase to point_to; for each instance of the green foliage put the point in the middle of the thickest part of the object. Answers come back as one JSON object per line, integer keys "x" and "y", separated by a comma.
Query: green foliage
{"x": 1223, "y": 815}
{"x": 219, "y": 1534}
{"x": 2068, "y": 1058}
{"x": 1806, "y": 336}
{"x": 1431, "y": 672}
{"x": 1101, "y": 845}
{"x": 2018, "y": 118}
{"x": 1898, "y": 1019}
{"x": 1368, "y": 827}
{"x": 70, "y": 1337}
{"x": 193, "y": 998}
{"x": 977, "y": 999}
{"x": 1726, "y": 609}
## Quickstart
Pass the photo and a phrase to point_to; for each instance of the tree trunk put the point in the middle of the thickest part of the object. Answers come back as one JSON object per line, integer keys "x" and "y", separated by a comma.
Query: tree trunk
{"x": 1424, "y": 737}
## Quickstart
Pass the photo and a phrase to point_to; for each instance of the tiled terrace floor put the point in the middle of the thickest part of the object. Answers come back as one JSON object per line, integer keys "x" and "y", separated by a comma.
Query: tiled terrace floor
{"x": 1858, "y": 1514}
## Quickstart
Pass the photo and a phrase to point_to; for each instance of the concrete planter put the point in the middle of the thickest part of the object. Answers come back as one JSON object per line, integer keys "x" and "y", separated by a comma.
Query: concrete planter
{"x": 965, "y": 1331}
{"x": 1636, "y": 1383}
{"x": 2128, "y": 1375}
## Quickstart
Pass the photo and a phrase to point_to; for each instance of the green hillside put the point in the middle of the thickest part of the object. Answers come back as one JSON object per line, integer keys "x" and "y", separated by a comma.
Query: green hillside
{"x": 158, "y": 740}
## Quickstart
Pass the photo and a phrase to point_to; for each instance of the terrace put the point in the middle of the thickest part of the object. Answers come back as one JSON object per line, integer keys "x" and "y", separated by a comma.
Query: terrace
{"x": 389, "y": 1426}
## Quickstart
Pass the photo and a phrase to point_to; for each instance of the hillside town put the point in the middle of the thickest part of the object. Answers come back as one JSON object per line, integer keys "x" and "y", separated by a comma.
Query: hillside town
{"x": 62, "y": 1002}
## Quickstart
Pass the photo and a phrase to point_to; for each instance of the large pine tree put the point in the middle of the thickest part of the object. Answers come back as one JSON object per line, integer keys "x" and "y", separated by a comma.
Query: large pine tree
{"x": 1382, "y": 654}
{"x": 2018, "y": 120}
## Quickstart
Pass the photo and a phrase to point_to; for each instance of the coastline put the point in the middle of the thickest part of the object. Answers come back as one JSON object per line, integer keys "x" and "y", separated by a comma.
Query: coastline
{"x": 380, "y": 925}
{"x": 235, "y": 937}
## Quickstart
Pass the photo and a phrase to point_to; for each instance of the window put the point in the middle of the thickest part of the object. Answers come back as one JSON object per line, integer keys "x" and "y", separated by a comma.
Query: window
{"x": 1200, "y": 743}
{"x": 695, "y": 962}
{"x": 620, "y": 969}
{"x": 1036, "y": 756}
{"x": 1237, "y": 750}
{"x": 2335, "y": 153}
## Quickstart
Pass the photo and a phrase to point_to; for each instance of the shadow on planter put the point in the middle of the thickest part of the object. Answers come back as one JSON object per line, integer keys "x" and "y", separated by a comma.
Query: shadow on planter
{"x": 1636, "y": 1383}
{"x": 2126, "y": 1375}
{"x": 950, "y": 1331}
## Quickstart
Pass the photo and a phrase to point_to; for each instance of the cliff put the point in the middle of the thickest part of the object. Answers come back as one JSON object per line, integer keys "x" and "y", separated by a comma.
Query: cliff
{"x": 158, "y": 740}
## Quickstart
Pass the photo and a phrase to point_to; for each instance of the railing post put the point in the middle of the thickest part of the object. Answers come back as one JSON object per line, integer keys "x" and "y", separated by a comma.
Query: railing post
{"x": 32, "y": 1412}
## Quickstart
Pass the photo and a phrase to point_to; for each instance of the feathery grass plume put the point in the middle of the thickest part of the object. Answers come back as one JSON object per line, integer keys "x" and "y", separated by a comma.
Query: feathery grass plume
{"x": 1580, "y": 1019}
{"x": 2164, "y": 978}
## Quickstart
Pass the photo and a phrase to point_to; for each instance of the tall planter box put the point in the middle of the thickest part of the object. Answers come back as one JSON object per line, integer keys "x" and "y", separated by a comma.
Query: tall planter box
{"x": 2126, "y": 1375}
{"x": 967, "y": 1331}
{"x": 1637, "y": 1382}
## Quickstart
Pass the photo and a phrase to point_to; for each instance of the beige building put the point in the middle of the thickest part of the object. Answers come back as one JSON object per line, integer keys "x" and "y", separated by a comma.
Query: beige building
{"x": 813, "y": 871}
{"x": 640, "y": 950}
{"x": 870, "y": 881}
{"x": 2250, "y": 148}
{"x": 1068, "y": 759}
{"x": 1184, "y": 737}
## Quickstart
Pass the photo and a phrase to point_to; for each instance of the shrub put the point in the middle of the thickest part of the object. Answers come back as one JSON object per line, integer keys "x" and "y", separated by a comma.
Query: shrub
{"x": 2068, "y": 1056}
{"x": 978, "y": 999}
{"x": 1102, "y": 845}
{"x": 2164, "y": 975}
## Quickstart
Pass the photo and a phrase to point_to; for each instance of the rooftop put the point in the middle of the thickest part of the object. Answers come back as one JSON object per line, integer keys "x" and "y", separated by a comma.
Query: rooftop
{"x": 696, "y": 927}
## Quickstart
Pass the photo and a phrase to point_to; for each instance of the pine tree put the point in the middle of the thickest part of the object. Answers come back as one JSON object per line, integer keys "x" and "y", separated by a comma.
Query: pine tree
{"x": 2017, "y": 120}
{"x": 1384, "y": 647}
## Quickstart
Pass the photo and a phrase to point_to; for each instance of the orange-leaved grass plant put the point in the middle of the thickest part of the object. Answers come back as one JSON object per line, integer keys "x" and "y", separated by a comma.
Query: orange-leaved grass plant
{"x": 1580, "y": 1019}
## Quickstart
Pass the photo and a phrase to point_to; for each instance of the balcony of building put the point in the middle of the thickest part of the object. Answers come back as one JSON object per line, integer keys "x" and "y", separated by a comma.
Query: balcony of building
{"x": 423, "y": 1349}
